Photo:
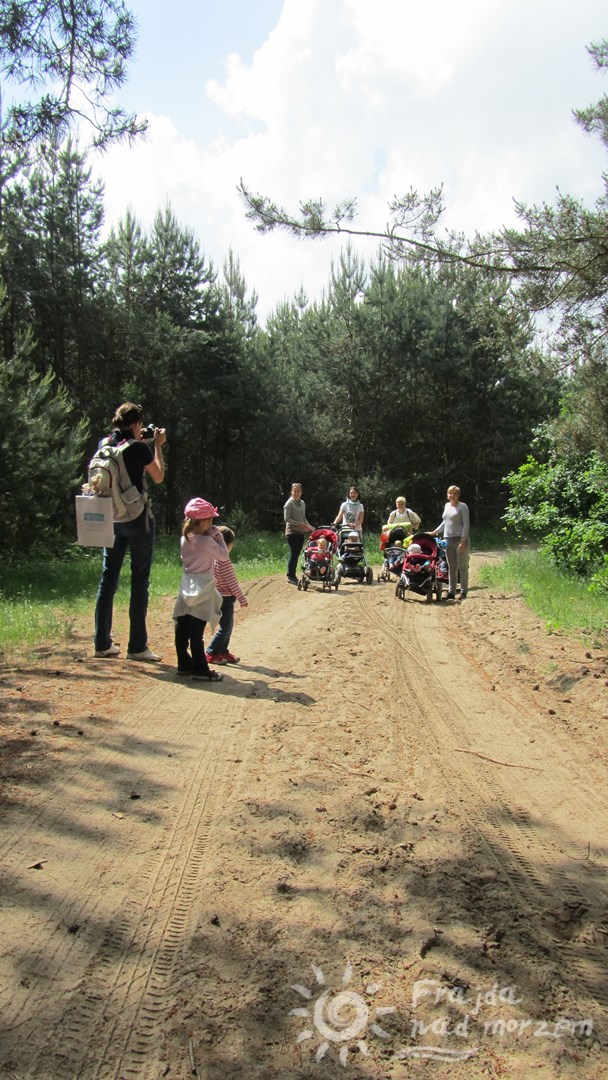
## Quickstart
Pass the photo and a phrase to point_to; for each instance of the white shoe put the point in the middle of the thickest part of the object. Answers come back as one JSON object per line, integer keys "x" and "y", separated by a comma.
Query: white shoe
{"x": 147, "y": 655}
{"x": 112, "y": 651}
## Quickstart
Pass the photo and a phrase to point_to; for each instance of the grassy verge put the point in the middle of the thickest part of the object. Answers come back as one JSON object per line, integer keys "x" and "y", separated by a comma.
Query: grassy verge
{"x": 41, "y": 598}
{"x": 562, "y": 600}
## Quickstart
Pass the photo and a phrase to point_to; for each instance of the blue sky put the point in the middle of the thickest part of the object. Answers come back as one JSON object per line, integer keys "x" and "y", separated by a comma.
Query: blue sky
{"x": 347, "y": 98}
{"x": 181, "y": 45}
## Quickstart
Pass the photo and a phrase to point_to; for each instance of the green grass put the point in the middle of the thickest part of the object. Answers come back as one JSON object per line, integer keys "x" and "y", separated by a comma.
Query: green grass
{"x": 40, "y": 598}
{"x": 562, "y": 600}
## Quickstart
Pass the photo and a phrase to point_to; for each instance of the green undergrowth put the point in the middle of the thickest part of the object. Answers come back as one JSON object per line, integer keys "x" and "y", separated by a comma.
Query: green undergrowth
{"x": 562, "y": 600}
{"x": 42, "y": 597}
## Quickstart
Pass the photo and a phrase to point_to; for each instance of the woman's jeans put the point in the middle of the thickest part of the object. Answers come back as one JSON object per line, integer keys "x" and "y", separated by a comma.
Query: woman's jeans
{"x": 221, "y": 639}
{"x": 458, "y": 562}
{"x": 189, "y": 634}
{"x": 131, "y": 536}
{"x": 296, "y": 543}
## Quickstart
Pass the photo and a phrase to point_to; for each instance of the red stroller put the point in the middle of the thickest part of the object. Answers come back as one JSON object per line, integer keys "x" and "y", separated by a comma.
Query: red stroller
{"x": 422, "y": 572}
{"x": 318, "y": 559}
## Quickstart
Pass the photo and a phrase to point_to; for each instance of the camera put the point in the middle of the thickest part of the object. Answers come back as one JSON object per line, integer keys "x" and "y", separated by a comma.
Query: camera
{"x": 147, "y": 432}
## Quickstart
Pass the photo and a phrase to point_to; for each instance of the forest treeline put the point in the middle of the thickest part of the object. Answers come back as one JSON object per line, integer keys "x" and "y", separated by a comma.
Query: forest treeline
{"x": 403, "y": 378}
{"x": 417, "y": 369}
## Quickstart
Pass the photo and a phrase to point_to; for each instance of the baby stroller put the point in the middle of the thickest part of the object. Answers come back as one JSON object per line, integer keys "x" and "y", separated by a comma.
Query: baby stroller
{"x": 389, "y": 536}
{"x": 393, "y": 562}
{"x": 351, "y": 558}
{"x": 420, "y": 569}
{"x": 318, "y": 564}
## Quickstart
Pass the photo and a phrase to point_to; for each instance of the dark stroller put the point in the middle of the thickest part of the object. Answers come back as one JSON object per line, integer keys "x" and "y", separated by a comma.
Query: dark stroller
{"x": 388, "y": 536}
{"x": 420, "y": 573}
{"x": 318, "y": 564}
{"x": 351, "y": 558}
{"x": 393, "y": 563}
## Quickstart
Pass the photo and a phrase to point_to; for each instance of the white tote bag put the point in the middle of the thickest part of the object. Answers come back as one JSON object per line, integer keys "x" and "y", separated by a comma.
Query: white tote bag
{"x": 94, "y": 521}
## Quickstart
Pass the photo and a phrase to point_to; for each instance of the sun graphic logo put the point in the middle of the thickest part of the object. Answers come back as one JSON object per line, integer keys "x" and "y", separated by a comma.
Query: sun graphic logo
{"x": 341, "y": 1017}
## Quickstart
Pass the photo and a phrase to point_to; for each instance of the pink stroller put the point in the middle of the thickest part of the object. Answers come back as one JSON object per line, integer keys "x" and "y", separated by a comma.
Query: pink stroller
{"x": 318, "y": 559}
{"x": 421, "y": 571}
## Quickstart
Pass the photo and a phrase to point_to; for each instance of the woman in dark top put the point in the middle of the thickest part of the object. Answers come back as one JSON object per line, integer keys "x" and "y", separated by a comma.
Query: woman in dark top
{"x": 141, "y": 461}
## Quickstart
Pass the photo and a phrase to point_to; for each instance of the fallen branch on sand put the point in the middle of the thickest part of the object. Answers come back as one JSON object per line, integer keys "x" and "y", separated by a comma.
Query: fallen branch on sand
{"x": 509, "y": 764}
{"x": 359, "y": 704}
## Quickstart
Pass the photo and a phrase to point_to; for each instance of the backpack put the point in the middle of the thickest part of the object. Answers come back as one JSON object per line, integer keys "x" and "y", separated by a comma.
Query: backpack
{"x": 108, "y": 476}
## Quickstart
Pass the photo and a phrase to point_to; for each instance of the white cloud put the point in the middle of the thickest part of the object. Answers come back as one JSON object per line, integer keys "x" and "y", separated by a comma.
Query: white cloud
{"x": 350, "y": 98}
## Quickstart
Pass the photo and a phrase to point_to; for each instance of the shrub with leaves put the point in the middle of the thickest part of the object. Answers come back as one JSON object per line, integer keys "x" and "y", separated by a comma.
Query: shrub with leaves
{"x": 565, "y": 506}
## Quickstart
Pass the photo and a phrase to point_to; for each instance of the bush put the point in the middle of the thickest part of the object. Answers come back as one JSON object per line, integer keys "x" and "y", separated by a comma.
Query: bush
{"x": 565, "y": 506}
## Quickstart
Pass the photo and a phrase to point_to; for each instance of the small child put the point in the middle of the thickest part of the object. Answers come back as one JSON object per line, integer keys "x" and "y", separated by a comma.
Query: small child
{"x": 320, "y": 555}
{"x": 415, "y": 559}
{"x": 198, "y": 601}
{"x": 352, "y": 548}
{"x": 395, "y": 556}
{"x": 227, "y": 584}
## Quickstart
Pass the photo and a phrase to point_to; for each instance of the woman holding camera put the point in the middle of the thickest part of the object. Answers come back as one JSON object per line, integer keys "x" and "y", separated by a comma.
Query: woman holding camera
{"x": 141, "y": 461}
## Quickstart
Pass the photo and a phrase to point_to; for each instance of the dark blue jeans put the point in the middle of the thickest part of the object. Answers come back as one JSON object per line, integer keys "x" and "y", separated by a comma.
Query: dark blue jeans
{"x": 296, "y": 542}
{"x": 132, "y": 537}
{"x": 221, "y": 639}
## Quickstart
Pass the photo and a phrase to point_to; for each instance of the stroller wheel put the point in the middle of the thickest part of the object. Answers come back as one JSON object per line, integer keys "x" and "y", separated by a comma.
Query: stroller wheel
{"x": 305, "y": 583}
{"x": 369, "y": 576}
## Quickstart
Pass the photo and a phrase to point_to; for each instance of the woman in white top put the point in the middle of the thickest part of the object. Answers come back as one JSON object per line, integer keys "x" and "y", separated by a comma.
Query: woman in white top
{"x": 404, "y": 517}
{"x": 455, "y": 528}
{"x": 352, "y": 511}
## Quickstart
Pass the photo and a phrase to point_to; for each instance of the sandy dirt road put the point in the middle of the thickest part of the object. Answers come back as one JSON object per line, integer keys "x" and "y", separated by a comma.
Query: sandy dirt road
{"x": 378, "y": 849}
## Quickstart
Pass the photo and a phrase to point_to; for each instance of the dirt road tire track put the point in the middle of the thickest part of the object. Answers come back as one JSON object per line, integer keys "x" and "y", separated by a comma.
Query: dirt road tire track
{"x": 317, "y": 790}
{"x": 526, "y": 841}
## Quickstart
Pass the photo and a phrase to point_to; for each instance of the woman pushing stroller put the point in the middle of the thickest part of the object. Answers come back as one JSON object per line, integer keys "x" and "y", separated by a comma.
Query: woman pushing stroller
{"x": 455, "y": 528}
{"x": 351, "y": 512}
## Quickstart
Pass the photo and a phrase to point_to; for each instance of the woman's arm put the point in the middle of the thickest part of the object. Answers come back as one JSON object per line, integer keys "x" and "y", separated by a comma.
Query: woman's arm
{"x": 464, "y": 510}
{"x": 156, "y": 468}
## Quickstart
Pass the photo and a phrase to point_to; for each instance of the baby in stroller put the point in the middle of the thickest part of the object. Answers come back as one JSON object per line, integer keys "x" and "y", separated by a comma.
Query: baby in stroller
{"x": 320, "y": 555}
{"x": 393, "y": 561}
{"x": 318, "y": 564}
{"x": 351, "y": 558}
{"x": 419, "y": 572}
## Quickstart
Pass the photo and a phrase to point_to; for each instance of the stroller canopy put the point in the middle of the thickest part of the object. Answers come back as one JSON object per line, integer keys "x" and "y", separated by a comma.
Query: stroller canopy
{"x": 427, "y": 543}
{"x": 326, "y": 533}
